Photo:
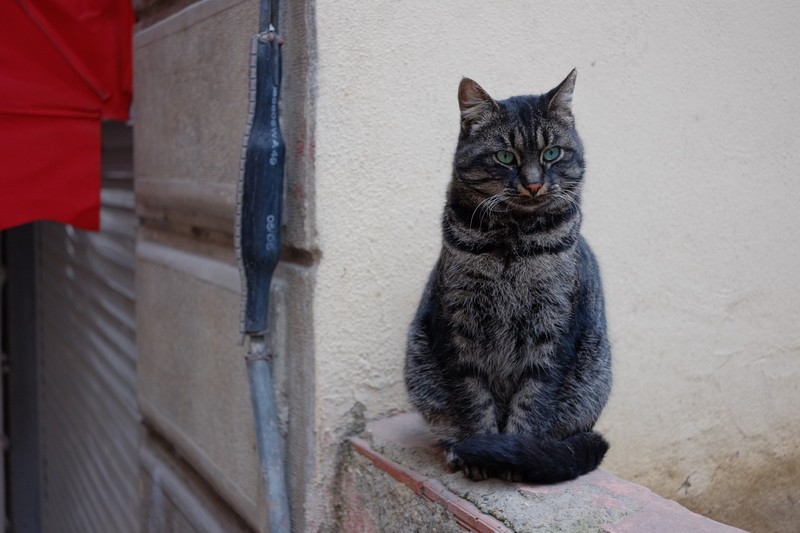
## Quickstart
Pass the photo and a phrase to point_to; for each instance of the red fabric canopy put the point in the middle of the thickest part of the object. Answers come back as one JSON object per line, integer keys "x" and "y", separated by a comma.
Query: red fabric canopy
{"x": 64, "y": 66}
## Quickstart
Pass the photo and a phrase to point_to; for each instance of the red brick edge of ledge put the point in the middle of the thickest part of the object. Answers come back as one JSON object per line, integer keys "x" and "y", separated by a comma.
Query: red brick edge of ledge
{"x": 465, "y": 513}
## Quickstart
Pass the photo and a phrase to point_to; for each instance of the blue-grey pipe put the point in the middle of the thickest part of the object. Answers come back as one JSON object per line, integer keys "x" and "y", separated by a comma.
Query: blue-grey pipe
{"x": 259, "y": 245}
{"x": 268, "y": 437}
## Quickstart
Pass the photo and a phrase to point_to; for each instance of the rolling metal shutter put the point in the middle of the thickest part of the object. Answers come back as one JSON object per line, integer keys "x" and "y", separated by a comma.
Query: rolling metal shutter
{"x": 89, "y": 421}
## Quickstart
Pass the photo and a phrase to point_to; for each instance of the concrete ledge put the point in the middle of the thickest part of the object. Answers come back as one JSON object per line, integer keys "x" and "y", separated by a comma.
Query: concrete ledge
{"x": 402, "y": 447}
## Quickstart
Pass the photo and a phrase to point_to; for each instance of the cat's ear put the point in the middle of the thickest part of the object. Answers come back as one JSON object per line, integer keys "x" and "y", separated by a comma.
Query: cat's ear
{"x": 475, "y": 103}
{"x": 560, "y": 98}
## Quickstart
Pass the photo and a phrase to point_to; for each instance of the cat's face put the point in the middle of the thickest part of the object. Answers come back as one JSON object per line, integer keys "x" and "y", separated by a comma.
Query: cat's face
{"x": 522, "y": 154}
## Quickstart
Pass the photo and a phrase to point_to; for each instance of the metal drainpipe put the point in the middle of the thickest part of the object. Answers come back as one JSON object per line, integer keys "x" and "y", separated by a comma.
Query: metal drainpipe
{"x": 258, "y": 245}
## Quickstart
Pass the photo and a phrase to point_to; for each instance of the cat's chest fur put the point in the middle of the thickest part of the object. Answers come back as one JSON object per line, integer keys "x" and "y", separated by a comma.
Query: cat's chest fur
{"x": 507, "y": 313}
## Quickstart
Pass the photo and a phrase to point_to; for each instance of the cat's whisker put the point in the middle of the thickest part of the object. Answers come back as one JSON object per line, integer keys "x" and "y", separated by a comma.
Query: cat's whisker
{"x": 495, "y": 201}
{"x": 565, "y": 198}
{"x": 487, "y": 206}
{"x": 481, "y": 207}
{"x": 492, "y": 200}
{"x": 570, "y": 198}
{"x": 503, "y": 197}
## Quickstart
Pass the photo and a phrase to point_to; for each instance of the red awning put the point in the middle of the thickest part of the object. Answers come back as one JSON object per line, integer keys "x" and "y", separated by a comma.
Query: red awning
{"x": 64, "y": 66}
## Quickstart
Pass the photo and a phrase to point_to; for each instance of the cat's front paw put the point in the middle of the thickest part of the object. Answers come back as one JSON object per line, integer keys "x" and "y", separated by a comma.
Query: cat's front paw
{"x": 456, "y": 463}
{"x": 453, "y": 461}
{"x": 475, "y": 473}
{"x": 513, "y": 477}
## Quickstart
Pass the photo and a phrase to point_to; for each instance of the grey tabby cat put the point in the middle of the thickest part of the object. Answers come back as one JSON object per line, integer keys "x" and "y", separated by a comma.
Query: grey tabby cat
{"x": 508, "y": 358}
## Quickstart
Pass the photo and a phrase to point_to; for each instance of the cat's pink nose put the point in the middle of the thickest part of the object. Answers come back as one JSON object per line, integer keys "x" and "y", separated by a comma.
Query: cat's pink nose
{"x": 533, "y": 187}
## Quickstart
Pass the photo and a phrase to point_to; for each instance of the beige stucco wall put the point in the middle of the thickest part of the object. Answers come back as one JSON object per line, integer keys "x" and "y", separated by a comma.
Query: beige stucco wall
{"x": 689, "y": 117}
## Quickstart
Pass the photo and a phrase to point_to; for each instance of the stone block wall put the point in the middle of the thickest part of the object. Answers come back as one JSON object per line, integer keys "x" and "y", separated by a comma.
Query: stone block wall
{"x": 191, "y": 69}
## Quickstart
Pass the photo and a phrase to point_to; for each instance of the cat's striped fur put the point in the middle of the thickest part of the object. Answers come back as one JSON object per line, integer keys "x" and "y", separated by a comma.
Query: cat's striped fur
{"x": 508, "y": 358}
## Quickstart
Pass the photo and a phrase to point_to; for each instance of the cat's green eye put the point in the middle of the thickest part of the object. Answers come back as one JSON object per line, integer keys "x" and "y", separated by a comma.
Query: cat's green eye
{"x": 551, "y": 154}
{"x": 504, "y": 156}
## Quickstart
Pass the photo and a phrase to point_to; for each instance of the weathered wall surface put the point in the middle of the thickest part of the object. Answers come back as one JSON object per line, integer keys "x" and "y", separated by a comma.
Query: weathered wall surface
{"x": 688, "y": 114}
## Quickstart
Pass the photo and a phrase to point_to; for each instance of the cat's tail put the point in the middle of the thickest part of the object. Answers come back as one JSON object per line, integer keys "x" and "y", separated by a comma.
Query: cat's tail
{"x": 525, "y": 458}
